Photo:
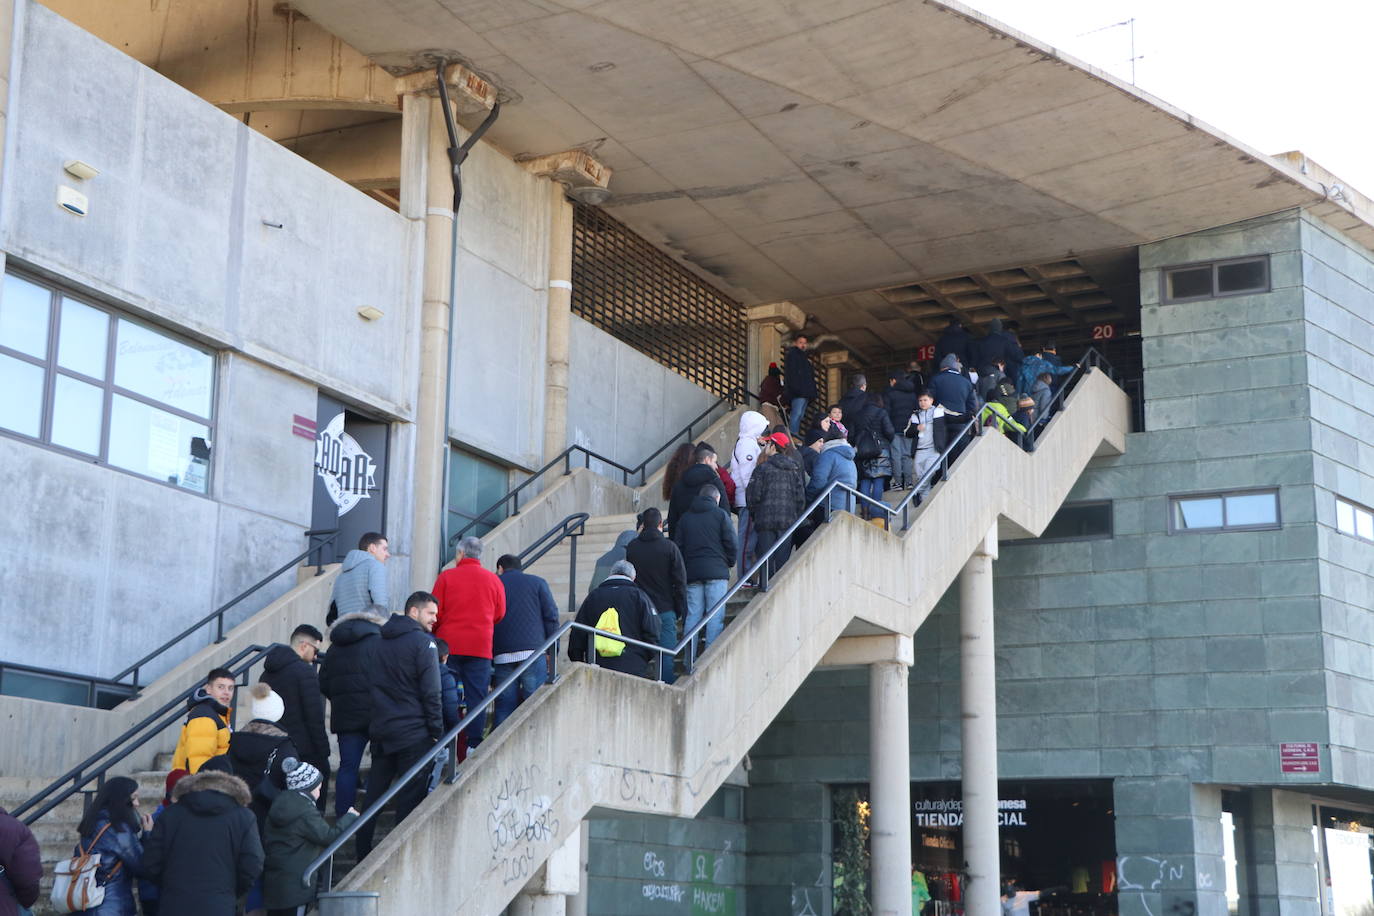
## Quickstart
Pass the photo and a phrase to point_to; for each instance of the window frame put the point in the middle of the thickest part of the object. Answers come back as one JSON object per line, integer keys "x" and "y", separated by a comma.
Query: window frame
{"x": 1215, "y": 292}
{"x": 57, "y": 292}
{"x": 1175, "y": 498}
{"x": 1356, "y": 509}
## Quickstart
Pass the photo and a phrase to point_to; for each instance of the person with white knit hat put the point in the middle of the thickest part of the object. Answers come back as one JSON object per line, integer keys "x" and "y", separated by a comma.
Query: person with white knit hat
{"x": 257, "y": 752}
{"x": 295, "y": 834}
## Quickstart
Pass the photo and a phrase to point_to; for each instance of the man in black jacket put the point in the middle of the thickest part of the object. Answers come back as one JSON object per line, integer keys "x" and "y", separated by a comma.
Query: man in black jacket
{"x": 777, "y": 495}
{"x": 708, "y": 549}
{"x": 407, "y": 707}
{"x": 345, "y": 678}
{"x": 290, "y": 672}
{"x": 954, "y": 340}
{"x": 901, "y": 403}
{"x": 204, "y": 852}
{"x": 636, "y": 616}
{"x": 659, "y": 570}
{"x": 853, "y": 403}
{"x": 704, "y": 470}
{"x": 799, "y": 383}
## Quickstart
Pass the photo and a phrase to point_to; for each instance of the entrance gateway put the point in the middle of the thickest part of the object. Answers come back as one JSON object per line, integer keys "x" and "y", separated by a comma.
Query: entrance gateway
{"x": 350, "y": 474}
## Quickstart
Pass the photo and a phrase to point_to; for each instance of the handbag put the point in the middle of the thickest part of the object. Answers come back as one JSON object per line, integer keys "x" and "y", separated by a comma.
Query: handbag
{"x": 74, "y": 886}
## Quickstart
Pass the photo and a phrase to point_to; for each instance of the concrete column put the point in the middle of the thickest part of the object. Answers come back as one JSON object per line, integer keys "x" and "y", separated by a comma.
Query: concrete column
{"x": 978, "y": 696}
{"x": 559, "y": 323}
{"x": 556, "y": 881}
{"x": 425, "y": 140}
{"x": 577, "y": 903}
{"x": 1285, "y": 862}
{"x": 835, "y": 362}
{"x": 890, "y": 787}
{"x": 768, "y": 325}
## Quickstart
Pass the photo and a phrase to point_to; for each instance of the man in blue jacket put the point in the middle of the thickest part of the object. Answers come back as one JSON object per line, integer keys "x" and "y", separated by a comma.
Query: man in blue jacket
{"x": 531, "y": 618}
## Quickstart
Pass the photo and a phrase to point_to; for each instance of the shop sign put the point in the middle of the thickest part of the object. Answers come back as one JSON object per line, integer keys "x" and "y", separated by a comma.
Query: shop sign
{"x": 347, "y": 470}
{"x": 949, "y": 812}
{"x": 1299, "y": 757}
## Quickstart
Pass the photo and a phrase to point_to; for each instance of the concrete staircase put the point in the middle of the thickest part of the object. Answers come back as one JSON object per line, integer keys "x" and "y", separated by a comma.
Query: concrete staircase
{"x": 598, "y": 739}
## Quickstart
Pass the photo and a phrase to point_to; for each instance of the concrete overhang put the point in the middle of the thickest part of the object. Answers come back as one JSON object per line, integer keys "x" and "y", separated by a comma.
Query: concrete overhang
{"x": 808, "y": 150}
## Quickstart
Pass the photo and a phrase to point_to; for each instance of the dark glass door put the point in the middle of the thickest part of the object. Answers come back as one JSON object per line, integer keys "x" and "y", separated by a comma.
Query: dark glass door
{"x": 350, "y": 473}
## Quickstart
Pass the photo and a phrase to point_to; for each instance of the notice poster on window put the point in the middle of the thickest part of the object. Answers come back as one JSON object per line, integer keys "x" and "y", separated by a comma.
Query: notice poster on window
{"x": 163, "y": 446}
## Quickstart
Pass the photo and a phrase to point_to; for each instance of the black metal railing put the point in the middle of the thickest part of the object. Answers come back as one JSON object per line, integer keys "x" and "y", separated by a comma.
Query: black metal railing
{"x": 107, "y": 692}
{"x": 572, "y": 528}
{"x": 510, "y": 503}
{"x": 89, "y": 775}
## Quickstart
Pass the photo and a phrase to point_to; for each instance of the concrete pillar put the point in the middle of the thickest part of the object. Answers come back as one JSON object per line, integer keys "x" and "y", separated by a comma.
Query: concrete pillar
{"x": 1285, "y": 862}
{"x": 978, "y": 696}
{"x": 577, "y": 903}
{"x": 559, "y": 323}
{"x": 424, "y": 149}
{"x": 835, "y": 363}
{"x": 769, "y": 324}
{"x": 559, "y": 878}
{"x": 890, "y": 787}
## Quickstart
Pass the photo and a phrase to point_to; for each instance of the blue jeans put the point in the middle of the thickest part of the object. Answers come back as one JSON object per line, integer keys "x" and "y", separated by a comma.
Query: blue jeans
{"x": 529, "y": 681}
{"x": 475, "y": 673}
{"x": 351, "y": 747}
{"x": 701, "y": 596}
{"x": 667, "y": 638}
{"x": 871, "y": 487}
{"x": 798, "y": 409}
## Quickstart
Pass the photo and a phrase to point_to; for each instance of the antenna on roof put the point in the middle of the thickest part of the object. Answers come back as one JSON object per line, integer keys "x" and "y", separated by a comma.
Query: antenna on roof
{"x": 1130, "y": 24}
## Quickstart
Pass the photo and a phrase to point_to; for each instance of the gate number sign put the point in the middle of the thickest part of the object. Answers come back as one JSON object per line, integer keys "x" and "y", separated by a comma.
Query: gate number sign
{"x": 1299, "y": 757}
{"x": 1104, "y": 331}
{"x": 926, "y": 352}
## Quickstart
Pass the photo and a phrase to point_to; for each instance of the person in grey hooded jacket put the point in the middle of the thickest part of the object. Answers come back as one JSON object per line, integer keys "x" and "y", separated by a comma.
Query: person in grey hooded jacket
{"x": 608, "y": 559}
{"x": 361, "y": 586}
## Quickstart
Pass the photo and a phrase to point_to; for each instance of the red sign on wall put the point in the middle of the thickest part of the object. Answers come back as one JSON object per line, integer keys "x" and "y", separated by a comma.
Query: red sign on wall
{"x": 1299, "y": 757}
{"x": 926, "y": 352}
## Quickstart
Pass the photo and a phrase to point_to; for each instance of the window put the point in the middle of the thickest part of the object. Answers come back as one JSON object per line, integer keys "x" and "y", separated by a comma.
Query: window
{"x": 1354, "y": 519}
{"x": 93, "y": 383}
{"x": 1085, "y": 521}
{"x": 474, "y": 485}
{"x": 1239, "y": 510}
{"x": 1216, "y": 279}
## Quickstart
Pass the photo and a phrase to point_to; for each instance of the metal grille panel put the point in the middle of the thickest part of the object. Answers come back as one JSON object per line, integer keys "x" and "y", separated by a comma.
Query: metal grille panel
{"x": 631, "y": 290}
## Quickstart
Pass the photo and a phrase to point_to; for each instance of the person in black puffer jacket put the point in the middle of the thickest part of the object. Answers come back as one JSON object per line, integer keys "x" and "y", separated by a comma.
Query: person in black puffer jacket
{"x": 901, "y": 403}
{"x": 874, "y": 469}
{"x": 637, "y": 620}
{"x": 258, "y": 750}
{"x": 703, "y": 471}
{"x": 345, "y": 678}
{"x": 289, "y": 671}
{"x": 777, "y": 496}
{"x": 204, "y": 852}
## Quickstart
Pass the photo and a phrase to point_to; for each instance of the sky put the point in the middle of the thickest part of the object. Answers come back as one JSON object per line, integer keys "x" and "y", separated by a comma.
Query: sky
{"x": 1274, "y": 76}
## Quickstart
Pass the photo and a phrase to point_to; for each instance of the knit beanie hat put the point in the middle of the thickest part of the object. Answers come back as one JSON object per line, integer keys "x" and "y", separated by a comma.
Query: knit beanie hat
{"x": 773, "y": 369}
{"x": 173, "y": 778}
{"x": 267, "y": 704}
{"x": 300, "y": 776}
{"x": 949, "y": 361}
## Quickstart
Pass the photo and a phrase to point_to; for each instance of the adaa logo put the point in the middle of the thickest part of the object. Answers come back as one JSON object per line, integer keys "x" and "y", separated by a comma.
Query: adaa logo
{"x": 343, "y": 466}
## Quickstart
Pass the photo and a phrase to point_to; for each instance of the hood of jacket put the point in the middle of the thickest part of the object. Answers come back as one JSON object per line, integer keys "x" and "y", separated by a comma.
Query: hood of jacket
{"x": 202, "y": 696}
{"x": 703, "y": 504}
{"x": 698, "y": 475}
{"x": 650, "y": 534}
{"x": 289, "y": 807}
{"x": 351, "y": 628}
{"x": 783, "y": 462}
{"x": 279, "y": 657}
{"x": 211, "y": 792}
{"x": 752, "y": 425}
{"x": 401, "y": 625}
{"x": 839, "y": 445}
{"x": 260, "y": 727}
{"x": 623, "y": 539}
{"x": 355, "y": 558}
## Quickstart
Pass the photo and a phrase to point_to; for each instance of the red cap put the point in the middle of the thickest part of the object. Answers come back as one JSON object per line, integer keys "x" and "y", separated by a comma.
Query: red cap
{"x": 780, "y": 440}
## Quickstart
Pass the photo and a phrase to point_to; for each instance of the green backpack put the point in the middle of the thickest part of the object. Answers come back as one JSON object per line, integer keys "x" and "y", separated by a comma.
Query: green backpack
{"x": 606, "y": 647}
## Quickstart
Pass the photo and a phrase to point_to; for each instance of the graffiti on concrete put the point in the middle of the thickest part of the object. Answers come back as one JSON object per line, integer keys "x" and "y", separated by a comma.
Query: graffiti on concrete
{"x": 519, "y": 821}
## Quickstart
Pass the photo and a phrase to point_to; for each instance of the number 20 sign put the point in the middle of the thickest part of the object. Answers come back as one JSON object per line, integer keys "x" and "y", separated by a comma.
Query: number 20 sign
{"x": 1104, "y": 331}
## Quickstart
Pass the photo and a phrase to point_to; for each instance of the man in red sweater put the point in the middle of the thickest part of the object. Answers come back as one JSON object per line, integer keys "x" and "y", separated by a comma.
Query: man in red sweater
{"x": 471, "y": 601}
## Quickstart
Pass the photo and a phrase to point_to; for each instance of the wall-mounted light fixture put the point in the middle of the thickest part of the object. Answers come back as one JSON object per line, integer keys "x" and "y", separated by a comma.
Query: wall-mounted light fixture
{"x": 72, "y": 200}
{"x": 78, "y": 169}
{"x": 370, "y": 313}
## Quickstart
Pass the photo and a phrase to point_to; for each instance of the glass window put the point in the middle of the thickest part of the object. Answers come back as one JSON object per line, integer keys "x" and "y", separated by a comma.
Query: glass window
{"x": 21, "y": 407}
{"x": 84, "y": 340}
{"x": 1075, "y": 522}
{"x": 1345, "y": 516}
{"x": 1190, "y": 283}
{"x": 474, "y": 484}
{"x": 1243, "y": 276}
{"x": 1237, "y": 510}
{"x": 1355, "y": 519}
{"x": 24, "y": 311}
{"x": 1218, "y": 278}
{"x": 1364, "y": 525}
{"x": 147, "y": 411}
{"x": 78, "y": 410}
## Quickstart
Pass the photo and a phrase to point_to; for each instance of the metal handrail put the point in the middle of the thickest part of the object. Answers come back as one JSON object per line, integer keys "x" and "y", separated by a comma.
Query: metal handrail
{"x": 970, "y": 430}
{"x": 328, "y": 535}
{"x": 572, "y": 528}
{"x": 565, "y": 458}
{"x": 92, "y": 683}
{"x": 95, "y": 767}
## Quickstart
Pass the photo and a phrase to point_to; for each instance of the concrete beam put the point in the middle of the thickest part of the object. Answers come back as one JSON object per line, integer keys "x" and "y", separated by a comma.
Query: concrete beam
{"x": 769, "y": 324}
{"x": 869, "y": 650}
{"x": 573, "y": 168}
